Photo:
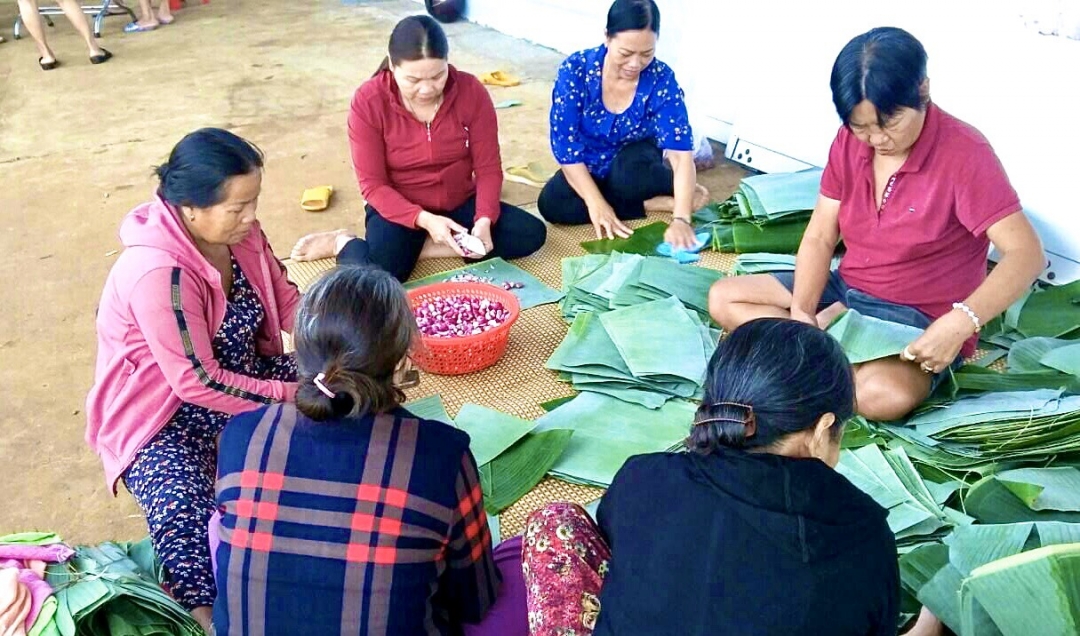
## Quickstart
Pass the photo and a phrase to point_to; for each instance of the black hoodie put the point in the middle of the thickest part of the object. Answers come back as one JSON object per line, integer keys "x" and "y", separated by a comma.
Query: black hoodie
{"x": 747, "y": 544}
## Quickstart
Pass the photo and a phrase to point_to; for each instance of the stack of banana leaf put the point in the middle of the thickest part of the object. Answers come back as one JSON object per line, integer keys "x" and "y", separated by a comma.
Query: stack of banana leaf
{"x": 768, "y": 213}
{"x": 113, "y": 589}
{"x": 1039, "y": 337}
{"x": 602, "y": 282}
{"x": 1008, "y": 564}
{"x": 511, "y": 455}
{"x": 617, "y": 353}
{"x": 608, "y": 431}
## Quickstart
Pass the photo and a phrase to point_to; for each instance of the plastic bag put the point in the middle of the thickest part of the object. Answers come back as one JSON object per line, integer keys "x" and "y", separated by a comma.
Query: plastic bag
{"x": 703, "y": 152}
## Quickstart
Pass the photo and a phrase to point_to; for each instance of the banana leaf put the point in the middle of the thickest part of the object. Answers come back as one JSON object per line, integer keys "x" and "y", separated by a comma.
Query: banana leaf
{"x": 976, "y": 379}
{"x": 1026, "y": 355}
{"x": 102, "y": 590}
{"x": 644, "y": 241}
{"x": 515, "y": 472}
{"x": 1036, "y": 592}
{"x": 689, "y": 284}
{"x": 1064, "y": 359}
{"x": 1044, "y": 488}
{"x": 490, "y": 432}
{"x": 865, "y": 338}
{"x": 782, "y": 238}
{"x": 775, "y": 195}
{"x": 679, "y": 353}
{"x": 429, "y": 408}
{"x": 1053, "y": 311}
{"x": 608, "y": 431}
{"x": 31, "y": 538}
{"x": 551, "y": 405}
{"x": 891, "y": 480}
{"x": 991, "y": 500}
{"x": 532, "y": 293}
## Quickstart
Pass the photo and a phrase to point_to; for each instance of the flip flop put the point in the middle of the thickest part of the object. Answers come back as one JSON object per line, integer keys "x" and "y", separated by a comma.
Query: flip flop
{"x": 508, "y": 103}
{"x": 316, "y": 199}
{"x": 101, "y": 59}
{"x": 499, "y": 78}
{"x": 135, "y": 27}
{"x": 533, "y": 174}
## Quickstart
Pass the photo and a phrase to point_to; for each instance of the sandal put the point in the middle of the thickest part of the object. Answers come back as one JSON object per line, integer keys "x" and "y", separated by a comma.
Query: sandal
{"x": 103, "y": 57}
{"x": 316, "y": 199}
{"x": 499, "y": 78}
{"x": 135, "y": 27}
{"x": 47, "y": 66}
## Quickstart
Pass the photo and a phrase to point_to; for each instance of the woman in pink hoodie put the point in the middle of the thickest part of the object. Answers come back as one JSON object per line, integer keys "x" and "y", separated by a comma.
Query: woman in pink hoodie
{"x": 189, "y": 334}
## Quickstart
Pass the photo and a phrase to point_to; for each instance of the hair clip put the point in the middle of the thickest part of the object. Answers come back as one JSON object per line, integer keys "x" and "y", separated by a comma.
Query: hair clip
{"x": 749, "y": 422}
{"x": 322, "y": 387}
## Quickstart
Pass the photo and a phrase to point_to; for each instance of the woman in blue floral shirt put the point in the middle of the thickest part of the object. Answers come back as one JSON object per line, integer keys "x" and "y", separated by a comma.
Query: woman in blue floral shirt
{"x": 616, "y": 111}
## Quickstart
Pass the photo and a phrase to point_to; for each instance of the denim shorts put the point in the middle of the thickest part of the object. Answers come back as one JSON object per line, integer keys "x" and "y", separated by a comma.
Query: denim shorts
{"x": 836, "y": 290}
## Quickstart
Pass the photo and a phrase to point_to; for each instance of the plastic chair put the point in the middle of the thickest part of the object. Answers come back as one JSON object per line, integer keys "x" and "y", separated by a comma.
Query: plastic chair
{"x": 99, "y": 11}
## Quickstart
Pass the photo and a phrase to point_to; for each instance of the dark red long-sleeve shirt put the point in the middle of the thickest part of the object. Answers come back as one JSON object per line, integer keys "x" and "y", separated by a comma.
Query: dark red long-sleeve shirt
{"x": 404, "y": 167}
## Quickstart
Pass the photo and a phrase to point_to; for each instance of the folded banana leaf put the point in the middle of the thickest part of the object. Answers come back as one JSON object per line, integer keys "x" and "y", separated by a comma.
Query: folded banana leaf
{"x": 104, "y": 590}
{"x": 974, "y": 379}
{"x": 1034, "y": 592}
{"x": 776, "y": 195}
{"x": 533, "y": 291}
{"x": 941, "y": 575}
{"x": 1053, "y": 311}
{"x": 551, "y": 405}
{"x": 865, "y": 338}
{"x": 31, "y": 538}
{"x": 490, "y": 432}
{"x": 890, "y": 479}
{"x": 429, "y": 408}
{"x": 608, "y": 431}
{"x": 516, "y": 471}
{"x": 1026, "y": 355}
{"x": 783, "y": 237}
{"x": 679, "y": 353}
{"x": 644, "y": 240}
{"x": 1026, "y": 494}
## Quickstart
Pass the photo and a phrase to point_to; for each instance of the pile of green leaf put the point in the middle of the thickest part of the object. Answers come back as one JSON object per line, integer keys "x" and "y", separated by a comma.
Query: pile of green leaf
{"x": 617, "y": 353}
{"x": 768, "y": 213}
{"x": 603, "y": 282}
{"x": 113, "y": 589}
{"x": 512, "y": 458}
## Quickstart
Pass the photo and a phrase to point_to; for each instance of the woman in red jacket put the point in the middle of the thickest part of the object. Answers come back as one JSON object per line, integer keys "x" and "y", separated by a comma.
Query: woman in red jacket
{"x": 425, "y": 146}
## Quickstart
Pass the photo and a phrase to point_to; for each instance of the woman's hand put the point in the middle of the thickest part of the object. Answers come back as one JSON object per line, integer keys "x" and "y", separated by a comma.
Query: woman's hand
{"x": 939, "y": 345}
{"x": 604, "y": 221}
{"x": 482, "y": 230}
{"x": 680, "y": 234}
{"x": 441, "y": 229}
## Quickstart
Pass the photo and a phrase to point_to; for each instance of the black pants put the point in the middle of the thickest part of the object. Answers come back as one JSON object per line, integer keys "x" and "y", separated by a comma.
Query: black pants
{"x": 396, "y": 248}
{"x": 637, "y": 174}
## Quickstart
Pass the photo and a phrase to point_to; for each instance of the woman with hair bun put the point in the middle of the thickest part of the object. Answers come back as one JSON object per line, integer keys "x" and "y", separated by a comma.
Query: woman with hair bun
{"x": 756, "y": 533}
{"x": 189, "y": 334}
{"x": 346, "y": 514}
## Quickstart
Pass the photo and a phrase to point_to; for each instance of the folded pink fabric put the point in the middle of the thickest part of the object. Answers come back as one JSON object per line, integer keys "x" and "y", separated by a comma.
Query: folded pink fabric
{"x": 15, "y": 604}
{"x": 53, "y": 553}
{"x": 29, "y": 575}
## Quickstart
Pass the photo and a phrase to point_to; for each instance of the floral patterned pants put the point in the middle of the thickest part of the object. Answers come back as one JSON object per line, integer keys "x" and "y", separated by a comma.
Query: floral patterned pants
{"x": 564, "y": 560}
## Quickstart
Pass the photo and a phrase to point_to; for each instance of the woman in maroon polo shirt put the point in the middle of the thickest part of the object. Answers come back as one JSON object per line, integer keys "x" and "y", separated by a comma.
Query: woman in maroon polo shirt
{"x": 425, "y": 146}
{"x": 917, "y": 196}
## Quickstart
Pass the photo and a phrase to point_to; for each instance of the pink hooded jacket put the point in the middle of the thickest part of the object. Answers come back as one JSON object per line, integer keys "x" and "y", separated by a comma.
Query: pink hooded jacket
{"x": 162, "y": 304}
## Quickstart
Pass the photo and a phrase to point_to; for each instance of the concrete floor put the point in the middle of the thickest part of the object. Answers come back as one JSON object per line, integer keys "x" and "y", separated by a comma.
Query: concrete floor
{"x": 76, "y": 149}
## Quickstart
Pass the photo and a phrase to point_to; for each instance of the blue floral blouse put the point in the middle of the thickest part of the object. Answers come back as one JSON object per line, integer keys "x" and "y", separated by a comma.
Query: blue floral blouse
{"x": 583, "y": 130}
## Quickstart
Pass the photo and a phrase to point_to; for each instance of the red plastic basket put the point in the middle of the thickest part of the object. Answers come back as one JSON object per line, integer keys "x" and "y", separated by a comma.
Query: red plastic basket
{"x": 457, "y": 356}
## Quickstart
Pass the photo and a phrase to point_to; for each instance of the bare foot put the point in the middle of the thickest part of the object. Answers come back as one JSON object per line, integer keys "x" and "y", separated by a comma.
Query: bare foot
{"x": 319, "y": 245}
{"x": 829, "y": 314}
{"x": 437, "y": 250}
{"x": 164, "y": 14}
{"x": 204, "y": 616}
{"x": 667, "y": 204}
{"x": 701, "y": 197}
{"x": 660, "y": 204}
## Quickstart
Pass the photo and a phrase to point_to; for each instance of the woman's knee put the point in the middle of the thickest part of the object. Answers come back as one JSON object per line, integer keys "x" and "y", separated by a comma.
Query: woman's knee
{"x": 885, "y": 393}
{"x": 524, "y": 235}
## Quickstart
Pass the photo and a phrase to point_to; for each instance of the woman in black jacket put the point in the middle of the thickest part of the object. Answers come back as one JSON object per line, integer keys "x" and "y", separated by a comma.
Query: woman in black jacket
{"x": 751, "y": 532}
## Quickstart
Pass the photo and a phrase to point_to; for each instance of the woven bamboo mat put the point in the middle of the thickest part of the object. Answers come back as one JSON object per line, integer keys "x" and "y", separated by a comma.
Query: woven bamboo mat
{"x": 518, "y": 383}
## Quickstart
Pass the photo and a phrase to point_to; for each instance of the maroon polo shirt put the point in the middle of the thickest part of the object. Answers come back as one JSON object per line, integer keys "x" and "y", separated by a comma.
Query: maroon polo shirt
{"x": 927, "y": 245}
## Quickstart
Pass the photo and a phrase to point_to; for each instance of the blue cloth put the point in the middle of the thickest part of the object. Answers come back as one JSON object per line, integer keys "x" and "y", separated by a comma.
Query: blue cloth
{"x": 684, "y": 256}
{"x": 583, "y": 130}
